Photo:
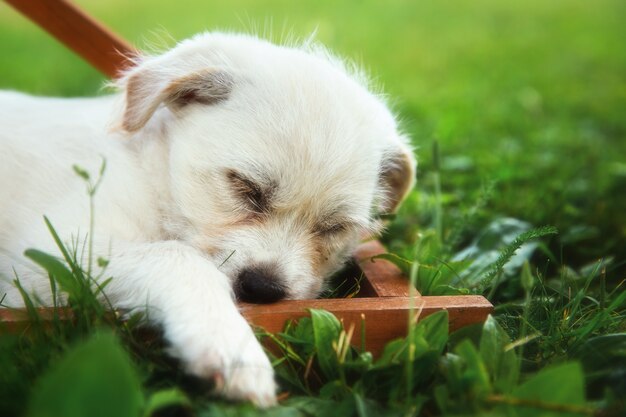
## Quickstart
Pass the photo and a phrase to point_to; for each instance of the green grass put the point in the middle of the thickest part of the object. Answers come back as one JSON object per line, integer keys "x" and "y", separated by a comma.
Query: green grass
{"x": 525, "y": 102}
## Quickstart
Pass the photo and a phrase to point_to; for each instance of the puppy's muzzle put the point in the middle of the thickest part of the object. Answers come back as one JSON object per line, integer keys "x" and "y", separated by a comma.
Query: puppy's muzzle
{"x": 257, "y": 285}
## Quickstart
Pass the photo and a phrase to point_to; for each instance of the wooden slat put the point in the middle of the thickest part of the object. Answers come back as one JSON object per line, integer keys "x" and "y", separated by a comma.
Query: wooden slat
{"x": 74, "y": 28}
{"x": 13, "y": 320}
{"x": 385, "y": 318}
{"x": 382, "y": 277}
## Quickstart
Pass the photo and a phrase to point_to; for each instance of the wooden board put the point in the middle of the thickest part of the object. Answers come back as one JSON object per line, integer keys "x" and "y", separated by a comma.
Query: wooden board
{"x": 384, "y": 318}
{"x": 98, "y": 45}
{"x": 384, "y": 300}
{"x": 382, "y": 277}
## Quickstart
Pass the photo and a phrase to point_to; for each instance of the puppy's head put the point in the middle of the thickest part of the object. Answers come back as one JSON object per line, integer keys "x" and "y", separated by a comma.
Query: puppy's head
{"x": 279, "y": 159}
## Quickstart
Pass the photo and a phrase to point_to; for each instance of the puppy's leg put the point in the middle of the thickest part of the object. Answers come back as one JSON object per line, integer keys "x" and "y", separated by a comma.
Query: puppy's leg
{"x": 192, "y": 299}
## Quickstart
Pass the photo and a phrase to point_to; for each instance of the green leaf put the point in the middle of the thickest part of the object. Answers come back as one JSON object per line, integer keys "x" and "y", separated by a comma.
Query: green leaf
{"x": 319, "y": 407}
{"x": 55, "y": 268}
{"x": 66, "y": 255}
{"x": 435, "y": 330}
{"x": 441, "y": 394}
{"x": 94, "y": 379}
{"x": 527, "y": 279}
{"x": 365, "y": 407}
{"x": 302, "y": 331}
{"x": 334, "y": 389}
{"x": 402, "y": 263}
{"x": 102, "y": 262}
{"x": 224, "y": 409}
{"x": 446, "y": 395}
{"x": 360, "y": 405}
{"x": 392, "y": 353}
{"x": 103, "y": 167}
{"x": 503, "y": 366}
{"x": 301, "y": 337}
{"x": 558, "y": 385}
{"x": 81, "y": 172}
{"x": 326, "y": 329}
{"x": 429, "y": 334}
{"x": 165, "y": 398}
{"x": 475, "y": 373}
{"x": 33, "y": 313}
{"x": 448, "y": 290}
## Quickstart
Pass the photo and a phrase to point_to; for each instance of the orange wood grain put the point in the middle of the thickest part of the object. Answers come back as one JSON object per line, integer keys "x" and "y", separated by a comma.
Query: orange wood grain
{"x": 13, "y": 320}
{"x": 385, "y": 318}
{"x": 90, "y": 39}
{"x": 382, "y": 277}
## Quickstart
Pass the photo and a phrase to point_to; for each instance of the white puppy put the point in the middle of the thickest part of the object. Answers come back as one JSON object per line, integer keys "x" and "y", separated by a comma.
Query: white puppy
{"x": 237, "y": 169}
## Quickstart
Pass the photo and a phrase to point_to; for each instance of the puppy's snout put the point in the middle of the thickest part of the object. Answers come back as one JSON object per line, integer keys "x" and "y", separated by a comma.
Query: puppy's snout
{"x": 258, "y": 286}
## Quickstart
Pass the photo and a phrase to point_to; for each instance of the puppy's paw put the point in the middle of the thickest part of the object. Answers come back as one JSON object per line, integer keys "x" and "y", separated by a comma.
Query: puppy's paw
{"x": 230, "y": 355}
{"x": 249, "y": 378}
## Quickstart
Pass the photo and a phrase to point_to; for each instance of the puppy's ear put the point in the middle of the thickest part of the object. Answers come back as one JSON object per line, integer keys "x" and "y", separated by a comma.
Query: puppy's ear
{"x": 146, "y": 90}
{"x": 397, "y": 177}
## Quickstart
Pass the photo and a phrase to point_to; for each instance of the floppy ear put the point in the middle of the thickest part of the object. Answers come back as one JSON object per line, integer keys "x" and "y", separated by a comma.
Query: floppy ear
{"x": 397, "y": 177}
{"x": 147, "y": 89}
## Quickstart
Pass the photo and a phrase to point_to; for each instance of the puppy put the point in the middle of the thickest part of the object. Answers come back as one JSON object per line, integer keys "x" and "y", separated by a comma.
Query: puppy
{"x": 236, "y": 169}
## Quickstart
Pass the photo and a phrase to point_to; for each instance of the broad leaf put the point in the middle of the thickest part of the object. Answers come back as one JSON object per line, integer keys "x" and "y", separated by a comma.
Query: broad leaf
{"x": 474, "y": 375}
{"x": 503, "y": 366}
{"x": 326, "y": 329}
{"x": 55, "y": 268}
{"x": 559, "y": 385}
{"x": 435, "y": 330}
{"x": 165, "y": 398}
{"x": 94, "y": 379}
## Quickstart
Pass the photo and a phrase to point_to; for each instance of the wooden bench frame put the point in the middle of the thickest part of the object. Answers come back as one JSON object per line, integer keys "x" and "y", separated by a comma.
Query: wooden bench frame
{"x": 384, "y": 301}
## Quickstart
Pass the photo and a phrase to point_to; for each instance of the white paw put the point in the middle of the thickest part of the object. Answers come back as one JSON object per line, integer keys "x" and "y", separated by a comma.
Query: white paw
{"x": 249, "y": 377}
{"x": 228, "y": 353}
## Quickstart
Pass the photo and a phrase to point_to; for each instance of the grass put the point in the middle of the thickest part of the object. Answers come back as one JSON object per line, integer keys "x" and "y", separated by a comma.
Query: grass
{"x": 517, "y": 111}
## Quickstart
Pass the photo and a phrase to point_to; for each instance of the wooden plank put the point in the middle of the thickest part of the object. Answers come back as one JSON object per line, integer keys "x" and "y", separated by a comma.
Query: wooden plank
{"x": 14, "y": 320}
{"x": 385, "y": 318}
{"x": 382, "y": 277}
{"x": 74, "y": 28}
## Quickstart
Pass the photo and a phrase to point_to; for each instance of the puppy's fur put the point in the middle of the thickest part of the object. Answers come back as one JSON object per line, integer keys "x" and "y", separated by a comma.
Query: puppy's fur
{"x": 231, "y": 159}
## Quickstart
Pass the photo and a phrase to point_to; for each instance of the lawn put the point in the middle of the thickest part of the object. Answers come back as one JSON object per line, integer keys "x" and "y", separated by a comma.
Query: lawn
{"x": 517, "y": 112}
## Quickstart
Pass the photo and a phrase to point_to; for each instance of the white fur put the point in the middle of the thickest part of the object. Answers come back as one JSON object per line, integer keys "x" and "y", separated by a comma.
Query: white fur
{"x": 165, "y": 215}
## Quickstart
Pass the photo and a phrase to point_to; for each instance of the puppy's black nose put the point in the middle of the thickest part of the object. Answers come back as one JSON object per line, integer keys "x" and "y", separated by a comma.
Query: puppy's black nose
{"x": 257, "y": 286}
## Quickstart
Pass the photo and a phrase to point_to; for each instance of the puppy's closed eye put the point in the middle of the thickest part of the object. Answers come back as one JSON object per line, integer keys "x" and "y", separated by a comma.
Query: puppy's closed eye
{"x": 255, "y": 197}
{"x": 330, "y": 229}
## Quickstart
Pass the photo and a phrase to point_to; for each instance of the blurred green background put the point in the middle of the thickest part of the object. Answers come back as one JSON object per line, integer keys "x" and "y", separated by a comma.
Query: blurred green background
{"x": 529, "y": 96}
